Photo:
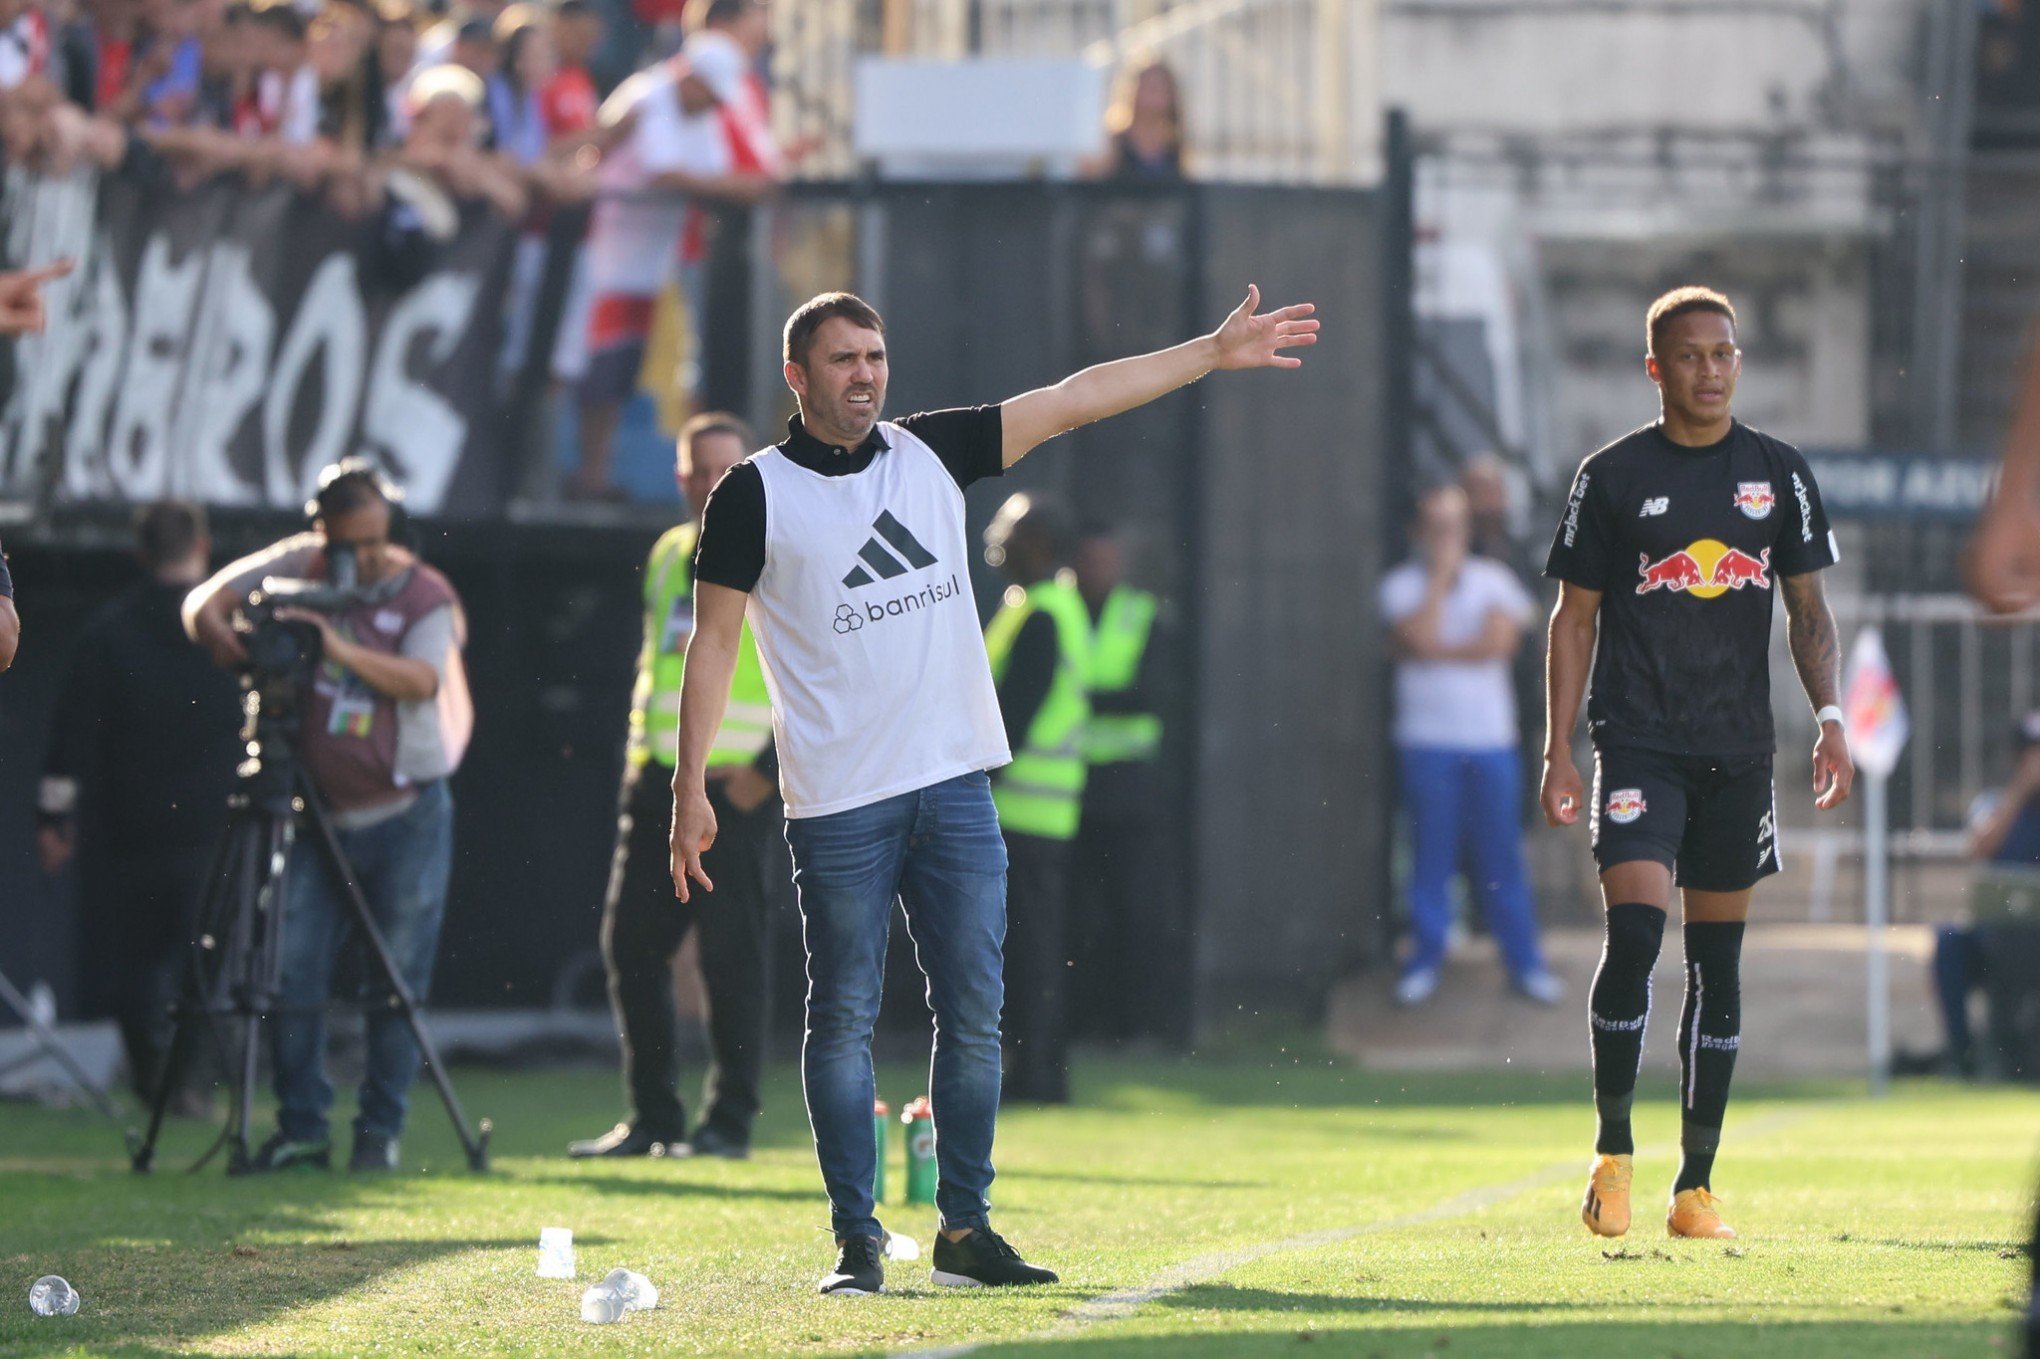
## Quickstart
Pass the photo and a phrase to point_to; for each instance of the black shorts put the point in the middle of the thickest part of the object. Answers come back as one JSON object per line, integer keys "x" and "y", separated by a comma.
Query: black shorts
{"x": 1713, "y": 822}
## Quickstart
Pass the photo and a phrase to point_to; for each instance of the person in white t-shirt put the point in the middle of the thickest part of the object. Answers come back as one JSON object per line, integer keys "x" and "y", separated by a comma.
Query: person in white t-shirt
{"x": 672, "y": 152}
{"x": 1456, "y": 621}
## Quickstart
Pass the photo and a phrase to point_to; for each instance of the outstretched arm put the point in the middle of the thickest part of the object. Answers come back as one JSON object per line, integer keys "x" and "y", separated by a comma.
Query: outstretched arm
{"x": 1246, "y": 340}
{"x": 1816, "y": 654}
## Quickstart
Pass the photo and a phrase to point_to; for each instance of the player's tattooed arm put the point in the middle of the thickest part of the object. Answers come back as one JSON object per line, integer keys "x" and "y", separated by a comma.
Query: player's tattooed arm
{"x": 1810, "y": 632}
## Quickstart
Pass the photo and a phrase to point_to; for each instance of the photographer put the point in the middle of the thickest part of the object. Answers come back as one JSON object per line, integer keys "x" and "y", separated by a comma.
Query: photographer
{"x": 386, "y": 718}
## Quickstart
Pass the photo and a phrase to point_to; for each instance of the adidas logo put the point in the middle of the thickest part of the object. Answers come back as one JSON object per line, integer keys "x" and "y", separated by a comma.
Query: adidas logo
{"x": 881, "y": 563}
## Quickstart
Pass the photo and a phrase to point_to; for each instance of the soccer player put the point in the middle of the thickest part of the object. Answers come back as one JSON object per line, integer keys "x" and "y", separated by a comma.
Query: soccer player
{"x": 1672, "y": 539}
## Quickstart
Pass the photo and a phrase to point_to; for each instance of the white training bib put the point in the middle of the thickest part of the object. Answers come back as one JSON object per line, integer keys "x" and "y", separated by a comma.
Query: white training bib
{"x": 867, "y": 632}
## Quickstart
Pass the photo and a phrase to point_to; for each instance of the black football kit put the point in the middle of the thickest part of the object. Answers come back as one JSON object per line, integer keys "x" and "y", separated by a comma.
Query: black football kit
{"x": 1685, "y": 546}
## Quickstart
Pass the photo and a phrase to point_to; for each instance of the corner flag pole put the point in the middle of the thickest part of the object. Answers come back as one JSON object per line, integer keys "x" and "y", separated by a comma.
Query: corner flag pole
{"x": 1878, "y": 727}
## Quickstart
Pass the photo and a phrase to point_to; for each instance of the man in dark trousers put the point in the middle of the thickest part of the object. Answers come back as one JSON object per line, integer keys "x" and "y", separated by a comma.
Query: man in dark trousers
{"x": 1129, "y": 936}
{"x": 643, "y": 925}
{"x": 1040, "y": 646}
{"x": 140, "y": 764}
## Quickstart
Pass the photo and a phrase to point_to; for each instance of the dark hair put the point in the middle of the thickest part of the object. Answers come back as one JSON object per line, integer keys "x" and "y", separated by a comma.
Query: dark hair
{"x": 240, "y": 12}
{"x": 716, "y": 422}
{"x": 348, "y": 485}
{"x": 805, "y": 321}
{"x": 574, "y": 9}
{"x": 1678, "y": 302}
{"x": 283, "y": 17}
{"x": 167, "y": 532}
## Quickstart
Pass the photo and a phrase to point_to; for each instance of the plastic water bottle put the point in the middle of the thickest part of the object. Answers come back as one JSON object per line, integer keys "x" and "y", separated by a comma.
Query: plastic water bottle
{"x": 898, "y": 1247}
{"x": 556, "y": 1252}
{"x": 881, "y": 1115}
{"x": 639, "y": 1293}
{"x": 919, "y": 1118}
{"x": 602, "y": 1304}
{"x": 51, "y": 1296}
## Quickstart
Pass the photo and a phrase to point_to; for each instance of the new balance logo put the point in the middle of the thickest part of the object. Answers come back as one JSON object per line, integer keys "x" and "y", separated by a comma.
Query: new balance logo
{"x": 881, "y": 563}
{"x": 1656, "y": 505}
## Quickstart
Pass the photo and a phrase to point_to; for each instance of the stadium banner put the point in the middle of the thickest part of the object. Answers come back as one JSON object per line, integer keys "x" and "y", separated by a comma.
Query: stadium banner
{"x": 224, "y": 342}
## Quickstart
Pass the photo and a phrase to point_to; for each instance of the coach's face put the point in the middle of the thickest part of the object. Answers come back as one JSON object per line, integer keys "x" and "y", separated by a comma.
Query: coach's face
{"x": 841, "y": 386}
{"x": 1697, "y": 365}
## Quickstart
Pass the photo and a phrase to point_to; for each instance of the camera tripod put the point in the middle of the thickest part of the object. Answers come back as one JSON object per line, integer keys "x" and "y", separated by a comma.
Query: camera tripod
{"x": 237, "y": 956}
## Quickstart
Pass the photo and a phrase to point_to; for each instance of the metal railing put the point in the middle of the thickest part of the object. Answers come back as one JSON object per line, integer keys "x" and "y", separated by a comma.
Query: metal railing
{"x": 1271, "y": 88}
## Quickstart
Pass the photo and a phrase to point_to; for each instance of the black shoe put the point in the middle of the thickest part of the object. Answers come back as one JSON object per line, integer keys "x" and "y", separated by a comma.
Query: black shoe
{"x": 373, "y": 1152}
{"x": 984, "y": 1260}
{"x": 627, "y": 1139}
{"x": 708, "y": 1141}
{"x": 284, "y": 1152}
{"x": 859, "y": 1269}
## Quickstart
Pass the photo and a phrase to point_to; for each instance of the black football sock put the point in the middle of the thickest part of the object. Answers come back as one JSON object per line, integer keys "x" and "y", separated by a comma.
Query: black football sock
{"x": 1710, "y": 1031}
{"x": 1617, "y": 1009}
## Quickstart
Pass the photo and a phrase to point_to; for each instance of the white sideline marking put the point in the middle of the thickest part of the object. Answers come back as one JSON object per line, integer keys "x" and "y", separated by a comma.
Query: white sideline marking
{"x": 1216, "y": 1265}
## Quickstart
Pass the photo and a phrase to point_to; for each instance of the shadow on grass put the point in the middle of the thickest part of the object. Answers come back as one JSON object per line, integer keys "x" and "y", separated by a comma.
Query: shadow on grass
{"x": 159, "y": 1301}
{"x": 1529, "y": 1340}
{"x": 710, "y": 1189}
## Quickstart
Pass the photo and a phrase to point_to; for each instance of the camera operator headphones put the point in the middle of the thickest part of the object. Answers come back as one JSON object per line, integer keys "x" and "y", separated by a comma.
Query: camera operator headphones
{"x": 363, "y": 471}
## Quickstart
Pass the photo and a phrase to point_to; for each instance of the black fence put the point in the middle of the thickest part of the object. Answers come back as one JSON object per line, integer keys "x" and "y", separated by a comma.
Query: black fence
{"x": 1260, "y": 503}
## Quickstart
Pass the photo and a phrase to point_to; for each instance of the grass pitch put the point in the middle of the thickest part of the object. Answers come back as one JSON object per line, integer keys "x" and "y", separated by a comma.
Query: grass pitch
{"x": 1260, "y": 1204}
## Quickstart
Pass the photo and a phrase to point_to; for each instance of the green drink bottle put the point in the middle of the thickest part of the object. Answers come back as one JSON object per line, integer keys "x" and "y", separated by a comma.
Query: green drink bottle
{"x": 919, "y": 1118}
{"x": 881, "y": 1114}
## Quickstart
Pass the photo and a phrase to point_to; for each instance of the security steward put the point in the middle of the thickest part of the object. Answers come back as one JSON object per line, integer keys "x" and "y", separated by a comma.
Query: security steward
{"x": 1039, "y": 643}
{"x": 1130, "y": 939}
{"x": 643, "y": 925}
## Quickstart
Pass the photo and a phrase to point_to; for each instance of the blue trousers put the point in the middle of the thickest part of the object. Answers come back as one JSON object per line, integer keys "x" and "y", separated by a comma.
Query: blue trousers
{"x": 940, "y": 853}
{"x": 1463, "y": 809}
{"x": 403, "y": 865}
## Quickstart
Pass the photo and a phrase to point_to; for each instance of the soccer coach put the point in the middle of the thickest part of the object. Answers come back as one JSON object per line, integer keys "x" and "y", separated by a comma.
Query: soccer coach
{"x": 845, "y": 545}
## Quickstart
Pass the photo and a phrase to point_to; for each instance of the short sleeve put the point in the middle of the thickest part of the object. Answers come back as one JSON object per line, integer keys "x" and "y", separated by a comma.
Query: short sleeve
{"x": 731, "y": 552}
{"x": 1506, "y": 593}
{"x": 1402, "y": 590}
{"x": 720, "y": 63}
{"x": 970, "y": 440}
{"x": 1582, "y": 550}
{"x": 1806, "y": 542}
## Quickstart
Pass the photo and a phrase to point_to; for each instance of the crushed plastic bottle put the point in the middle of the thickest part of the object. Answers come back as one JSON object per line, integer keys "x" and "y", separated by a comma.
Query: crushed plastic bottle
{"x": 602, "y": 1304}
{"x": 898, "y": 1247}
{"x": 51, "y": 1296}
{"x": 639, "y": 1293}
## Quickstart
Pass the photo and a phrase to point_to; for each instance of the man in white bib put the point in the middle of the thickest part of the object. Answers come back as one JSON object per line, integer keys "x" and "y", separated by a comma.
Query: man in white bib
{"x": 845, "y": 546}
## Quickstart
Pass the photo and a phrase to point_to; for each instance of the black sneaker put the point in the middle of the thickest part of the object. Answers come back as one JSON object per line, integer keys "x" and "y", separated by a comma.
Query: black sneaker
{"x": 708, "y": 1141}
{"x": 859, "y": 1269}
{"x": 984, "y": 1260}
{"x": 284, "y": 1152}
{"x": 373, "y": 1152}
{"x": 627, "y": 1139}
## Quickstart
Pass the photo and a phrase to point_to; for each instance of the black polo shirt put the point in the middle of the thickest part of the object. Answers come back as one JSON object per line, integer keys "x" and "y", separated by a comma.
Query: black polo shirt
{"x": 731, "y": 552}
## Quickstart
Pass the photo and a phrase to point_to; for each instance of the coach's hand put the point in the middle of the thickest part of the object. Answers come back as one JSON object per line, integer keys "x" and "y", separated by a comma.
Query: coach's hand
{"x": 693, "y": 833}
{"x": 1834, "y": 771}
{"x": 1248, "y": 340}
{"x": 1560, "y": 796}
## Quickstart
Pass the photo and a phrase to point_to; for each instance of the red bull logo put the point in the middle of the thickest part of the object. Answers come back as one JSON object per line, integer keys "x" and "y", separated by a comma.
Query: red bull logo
{"x": 1705, "y": 569}
{"x": 1754, "y": 498}
{"x": 1625, "y": 805}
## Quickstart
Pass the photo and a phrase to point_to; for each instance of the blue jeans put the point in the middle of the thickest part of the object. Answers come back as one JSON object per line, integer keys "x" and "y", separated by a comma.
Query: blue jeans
{"x": 940, "y": 853}
{"x": 402, "y": 865}
{"x": 1467, "y": 803}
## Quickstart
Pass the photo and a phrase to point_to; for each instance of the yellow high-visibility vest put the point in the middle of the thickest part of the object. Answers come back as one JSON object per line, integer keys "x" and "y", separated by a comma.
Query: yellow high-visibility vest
{"x": 1042, "y": 791}
{"x": 655, "y": 700}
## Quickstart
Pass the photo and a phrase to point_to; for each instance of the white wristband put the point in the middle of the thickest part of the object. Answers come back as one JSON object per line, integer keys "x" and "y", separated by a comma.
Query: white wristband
{"x": 1830, "y": 714}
